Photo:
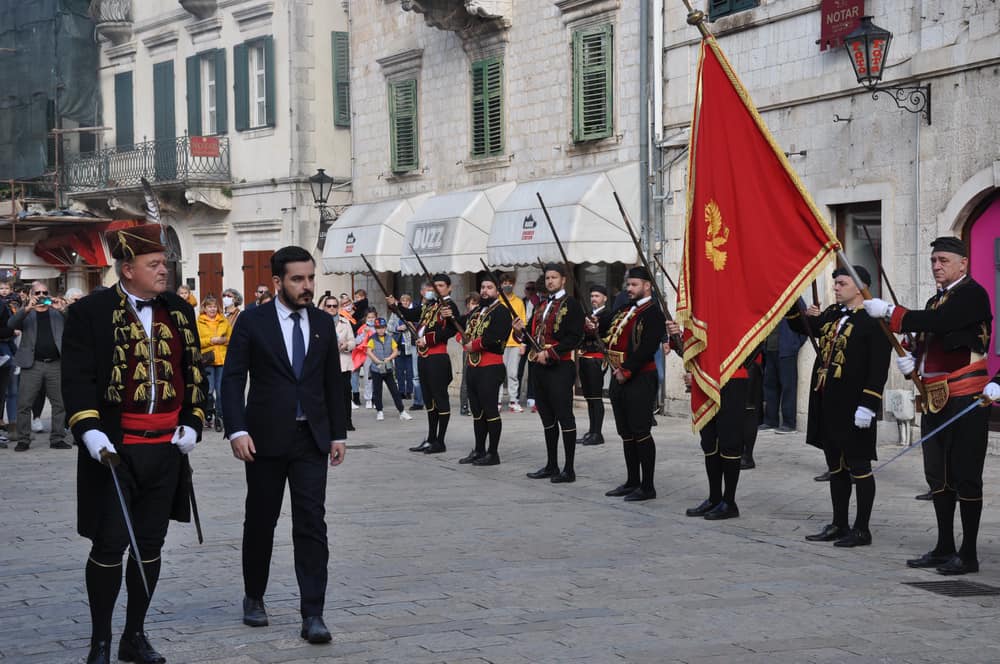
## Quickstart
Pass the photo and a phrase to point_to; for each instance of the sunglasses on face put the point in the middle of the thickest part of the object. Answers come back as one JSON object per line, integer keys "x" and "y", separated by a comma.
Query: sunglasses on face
{"x": 41, "y": 292}
{"x": 331, "y": 306}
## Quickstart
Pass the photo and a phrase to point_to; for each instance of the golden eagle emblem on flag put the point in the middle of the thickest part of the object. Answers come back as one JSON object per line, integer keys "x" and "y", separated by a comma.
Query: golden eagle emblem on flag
{"x": 718, "y": 235}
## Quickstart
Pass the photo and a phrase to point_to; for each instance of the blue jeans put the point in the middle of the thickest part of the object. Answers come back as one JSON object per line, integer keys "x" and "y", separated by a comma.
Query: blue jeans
{"x": 780, "y": 384}
{"x": 214, "y": 375}
{"x": 404, "y": 373}
{"x": 418, "y": 395}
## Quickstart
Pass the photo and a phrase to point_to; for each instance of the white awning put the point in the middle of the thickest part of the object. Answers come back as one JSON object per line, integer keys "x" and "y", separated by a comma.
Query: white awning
{"x": 450, "y": 231}
{"x": 31, "y": 265}
{"x": 373, "y": 229}
{"x": 583, "y": 211}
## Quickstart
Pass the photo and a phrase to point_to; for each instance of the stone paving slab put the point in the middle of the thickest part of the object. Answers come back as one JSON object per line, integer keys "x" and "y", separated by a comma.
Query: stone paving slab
{"x": 433, "y": 562}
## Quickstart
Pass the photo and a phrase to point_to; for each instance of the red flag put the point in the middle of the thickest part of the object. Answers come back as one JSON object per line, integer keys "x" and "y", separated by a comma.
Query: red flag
{"x": 754, "y": 238}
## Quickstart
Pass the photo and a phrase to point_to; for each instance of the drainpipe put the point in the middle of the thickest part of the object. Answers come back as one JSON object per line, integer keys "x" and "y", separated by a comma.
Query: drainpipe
{"x": 293, "y": 184}
{"x": 644, "y": 102}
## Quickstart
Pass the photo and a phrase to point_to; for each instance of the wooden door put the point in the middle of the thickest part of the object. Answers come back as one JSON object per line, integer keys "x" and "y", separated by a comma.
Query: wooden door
{"x": 209, "y": 275}
{"x": 256, "y": 270}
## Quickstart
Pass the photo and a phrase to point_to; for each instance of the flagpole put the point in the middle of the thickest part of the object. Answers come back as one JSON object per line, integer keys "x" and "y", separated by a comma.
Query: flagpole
{"x": 696, "y": 17}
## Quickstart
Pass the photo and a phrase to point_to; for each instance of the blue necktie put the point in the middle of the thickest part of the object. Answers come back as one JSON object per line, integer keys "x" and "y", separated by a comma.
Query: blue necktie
{"x": 298, "y": 354}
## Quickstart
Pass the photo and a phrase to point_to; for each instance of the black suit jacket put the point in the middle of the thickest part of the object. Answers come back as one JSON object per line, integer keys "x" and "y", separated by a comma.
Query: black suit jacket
{"x": 257, "y": 348}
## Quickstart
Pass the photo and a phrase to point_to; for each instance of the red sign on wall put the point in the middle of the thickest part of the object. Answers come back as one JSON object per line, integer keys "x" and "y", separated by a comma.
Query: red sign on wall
{"x": 839, "y": 18}
{"x": 204, "y": 146}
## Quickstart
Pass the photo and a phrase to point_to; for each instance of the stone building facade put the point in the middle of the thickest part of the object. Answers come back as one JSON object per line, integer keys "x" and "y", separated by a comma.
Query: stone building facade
{"x": 227, "y": 107}
{"x": 907, "y": 177}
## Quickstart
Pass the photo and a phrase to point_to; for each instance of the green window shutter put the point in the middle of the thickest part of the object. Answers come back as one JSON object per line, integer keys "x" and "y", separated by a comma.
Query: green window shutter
{"x": 241, "y": 87}
{"x": 720, "y": 8}
{"x": 269, "y": 110}
{"x": 593, "y": 74}
{"x": 194, "y": 95}
{"x": 221, "y": 126}
{"x": 487, "y": 107}
{"x": 164, "y": 125}
{"x": 341, "y": 79}
{"x": 124, "y": 132}
{"x": 404, "y": 146}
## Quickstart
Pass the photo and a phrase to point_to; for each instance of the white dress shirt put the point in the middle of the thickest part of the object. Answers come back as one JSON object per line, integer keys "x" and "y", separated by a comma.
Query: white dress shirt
{"x": 145, "y": 315}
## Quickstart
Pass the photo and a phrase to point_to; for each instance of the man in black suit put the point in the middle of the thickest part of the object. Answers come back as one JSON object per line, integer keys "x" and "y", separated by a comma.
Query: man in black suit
{"x": 291, "y": 421}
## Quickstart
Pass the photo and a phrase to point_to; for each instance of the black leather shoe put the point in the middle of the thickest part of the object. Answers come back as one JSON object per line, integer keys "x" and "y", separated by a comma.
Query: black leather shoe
{"x": 100, "y": 653}
{"x": 825, "y": 477}
{"x": 136, "y": 648}
{"x": 314, "y": 631}
{"x": 435, "y": 448}
{"x": 593, "y": 439}
{"x": 543, "y": 473}
{"x": 830, "y": 533}
{"x": 621, "y": 490}
{"x": 421, "y": 447}
{"x": 925, "y": 496}
{"x": 929, "y": 559}
{"x": 704, "y": 508}
{"x": 218, "y": 425}
{"x": 584, "y": 438}
{"x": 254, "y": 613}
{"x": 350, "y": 427}
{"x": 639, "y": 494}
{"x": 957, "y": 566}
{"x": 855, "y": 538}
{"x": 747, "y": 463}
{"x": 61, "y": 445}
{"x": 471, "y": 457}
{"x": 721, "y": 511}
{"x": 22, "y": 447}
{"x": 488, "y": 459}
{"x": 564, "y": 477}
{"x": 417, "y": 406}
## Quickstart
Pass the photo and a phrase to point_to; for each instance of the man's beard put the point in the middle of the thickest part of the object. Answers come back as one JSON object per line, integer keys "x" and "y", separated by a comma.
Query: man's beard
{"x": 293, "y": 303}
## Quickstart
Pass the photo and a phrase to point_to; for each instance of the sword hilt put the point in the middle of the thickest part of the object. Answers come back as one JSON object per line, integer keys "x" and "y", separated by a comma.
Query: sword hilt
{"x": 110, "y": 458}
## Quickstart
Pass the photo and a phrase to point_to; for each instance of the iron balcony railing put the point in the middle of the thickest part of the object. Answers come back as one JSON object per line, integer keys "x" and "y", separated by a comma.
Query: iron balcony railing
{"x": 182, "y": 160}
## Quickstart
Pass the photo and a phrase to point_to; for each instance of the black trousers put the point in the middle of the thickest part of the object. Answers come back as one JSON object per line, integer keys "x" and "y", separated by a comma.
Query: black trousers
{"x": 632, "y": 403}
{"x": 484, "y": 385}
{"x": 304, "y": 467}
{"x": 592, "y": 383}
{"x": 148, "y": 475}
{"x": 377, "y": 380}
{"x": 553, "y": 385}
{"x": 954, "y": 458}
{"x": 345, "y": 376}
{"x": 723, "y": 434}
{"x": 435, "y": 377}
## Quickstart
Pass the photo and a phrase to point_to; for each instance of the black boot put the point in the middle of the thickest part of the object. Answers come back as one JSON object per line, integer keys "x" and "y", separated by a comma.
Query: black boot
{"x": 100, "y": 653}
{"x": 135, "y": 647}
{"x": 103, "y": 584}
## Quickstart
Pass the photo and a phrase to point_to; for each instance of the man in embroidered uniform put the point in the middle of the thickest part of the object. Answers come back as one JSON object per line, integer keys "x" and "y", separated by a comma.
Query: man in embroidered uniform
{"x": 487, "y": 329}
{"x": 434, "y": 366}
{"x": 632, "y": 337}
{"x": 132, "y": 387}
{"x": 950, "y": 357}
{"x": 557, "y": 328}
{"x": 723, "y": 441}
{"x": 849, "y": 375}
{"x": 591, "y": 363}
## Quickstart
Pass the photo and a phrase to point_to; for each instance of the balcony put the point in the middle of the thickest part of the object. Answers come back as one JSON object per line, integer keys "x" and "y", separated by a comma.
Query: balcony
{"x": 182, "y": 162}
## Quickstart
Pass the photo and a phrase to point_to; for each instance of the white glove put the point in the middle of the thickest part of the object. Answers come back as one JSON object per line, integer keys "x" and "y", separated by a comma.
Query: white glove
{"x": 96, "y": 440}
{"x": 185, "y": 439}
{"x": 863, "y": 417}
{"x": 906, "y": 364}
{"x": 992, "y": 391}
{"x": 877, "y": 308}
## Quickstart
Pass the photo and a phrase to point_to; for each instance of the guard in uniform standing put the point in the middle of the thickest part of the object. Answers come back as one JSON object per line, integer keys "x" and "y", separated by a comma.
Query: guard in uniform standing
{"x": 557, "y": 329}
{"x": 950, "y": 358}
{"x": 133, "y": 388}
{"x": 632, "y": 337}
{"x": 591, "y": 363}
{"x": 433, "y": 365}
{"x": 848, "y": 377}
{"x": 487, "y": 329}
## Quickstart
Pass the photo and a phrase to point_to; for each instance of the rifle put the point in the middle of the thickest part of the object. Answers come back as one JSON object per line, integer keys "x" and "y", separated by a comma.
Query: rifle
{"x": 883, "y": 275}
{"x": 385, "y": 292}
{"x": 430, "y": 280}
{"x": 503, "y": 296}
{"x": 569, "y": 270}
{"x": 675, "y": 339}
{"x": 665, "y": 273}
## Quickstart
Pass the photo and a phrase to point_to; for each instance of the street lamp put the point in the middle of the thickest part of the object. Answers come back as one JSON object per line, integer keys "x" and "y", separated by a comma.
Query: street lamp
{"x": 321, "y": 185}
{"x": 868, "y": 47}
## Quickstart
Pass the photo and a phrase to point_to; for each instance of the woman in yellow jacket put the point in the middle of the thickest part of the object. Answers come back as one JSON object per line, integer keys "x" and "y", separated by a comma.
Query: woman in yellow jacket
{"x": 214, "y": 330}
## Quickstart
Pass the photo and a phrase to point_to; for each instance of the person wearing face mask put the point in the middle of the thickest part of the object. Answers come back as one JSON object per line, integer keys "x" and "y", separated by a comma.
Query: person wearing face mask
{"x": 513, "y": 349}
{"x": 231, "y": 303}
{"x": 214, "y": 333}
{"x": 487, "y": 329}
{"x": 591, "y": 363}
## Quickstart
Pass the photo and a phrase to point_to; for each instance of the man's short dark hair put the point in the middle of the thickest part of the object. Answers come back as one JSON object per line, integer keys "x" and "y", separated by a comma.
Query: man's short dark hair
{"x": 286, "y": 255}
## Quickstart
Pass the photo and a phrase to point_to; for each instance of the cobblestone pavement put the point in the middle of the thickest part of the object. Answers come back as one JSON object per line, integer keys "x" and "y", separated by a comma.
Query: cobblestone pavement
{"x": 436, "y": 562}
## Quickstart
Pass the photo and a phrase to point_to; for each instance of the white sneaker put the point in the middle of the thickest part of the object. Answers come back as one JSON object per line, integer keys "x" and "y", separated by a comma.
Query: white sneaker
{"x": 531, "y": 403}
{"x": 368, "y": 404}
{"x": 515, "y": 407}
{"x": 405, "y": 416}
{"x": 379, "y": 416}
{"x": 354, "y": 406}
{"x": 36, "y": 425}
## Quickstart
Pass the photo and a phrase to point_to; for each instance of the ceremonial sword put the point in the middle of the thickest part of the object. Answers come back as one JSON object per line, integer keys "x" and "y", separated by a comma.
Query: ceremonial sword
{"x": 503, "y": 296}
{"x": 980, "y": 401}
{"x": 386, "y": 293}
{"x": 111, "y": 460}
